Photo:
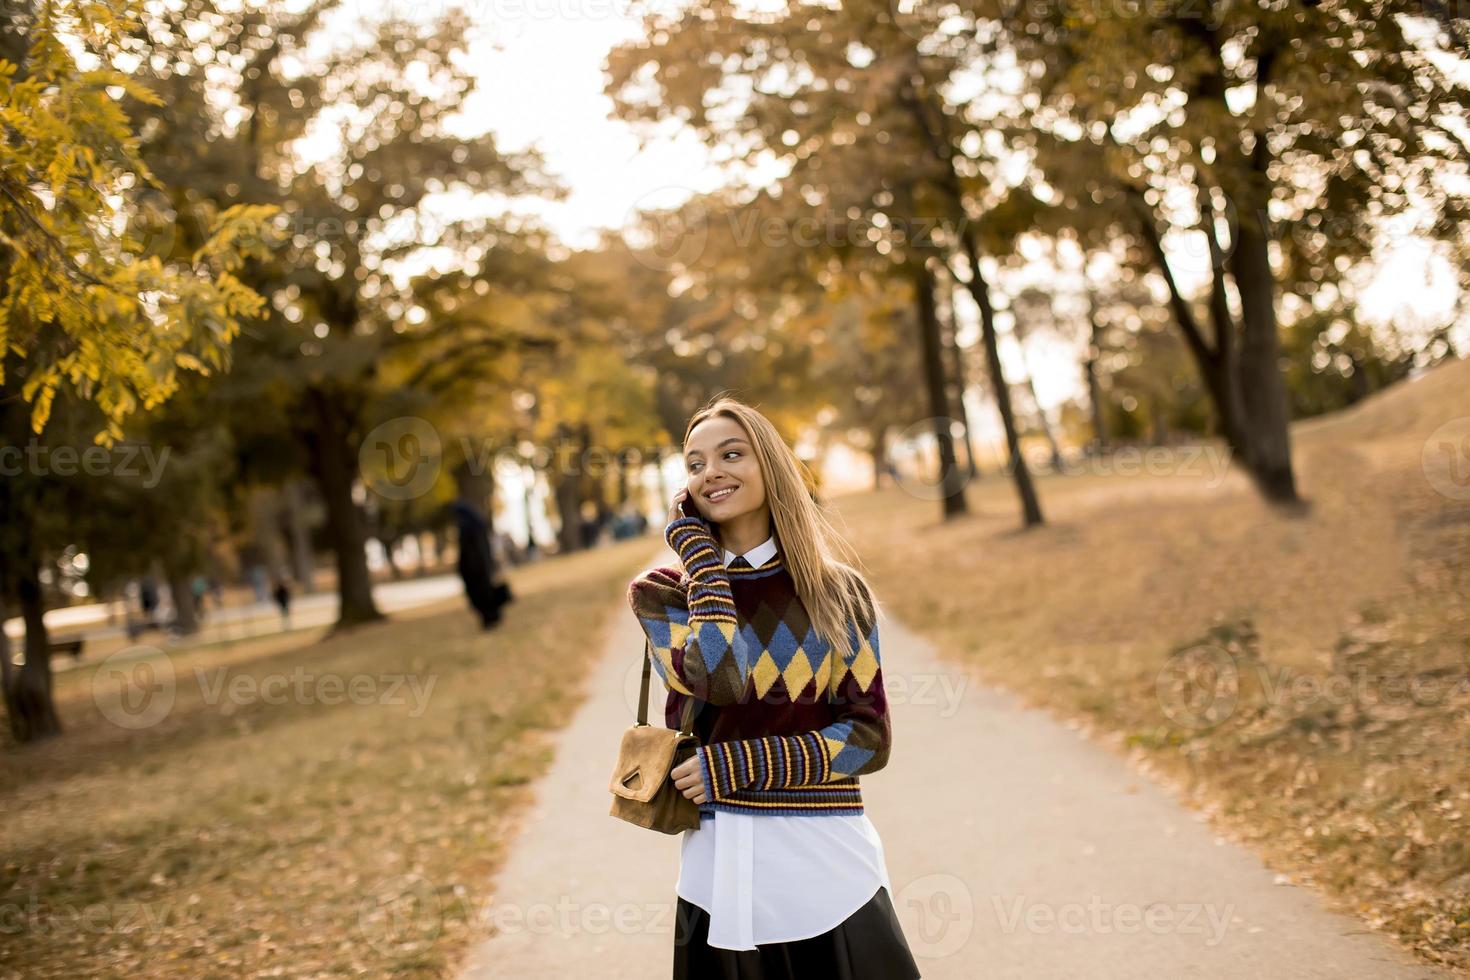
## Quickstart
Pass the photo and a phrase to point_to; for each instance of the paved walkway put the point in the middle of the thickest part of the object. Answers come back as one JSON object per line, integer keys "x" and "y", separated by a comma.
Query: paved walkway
{"x": 1016, "y": 849}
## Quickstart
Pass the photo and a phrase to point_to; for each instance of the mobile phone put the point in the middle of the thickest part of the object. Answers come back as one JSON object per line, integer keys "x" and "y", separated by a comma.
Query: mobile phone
{"x": 686, "y": 505}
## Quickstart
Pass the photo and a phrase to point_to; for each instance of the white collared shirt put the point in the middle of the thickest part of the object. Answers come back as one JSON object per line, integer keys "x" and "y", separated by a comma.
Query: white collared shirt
{"x": 767, "y": 878}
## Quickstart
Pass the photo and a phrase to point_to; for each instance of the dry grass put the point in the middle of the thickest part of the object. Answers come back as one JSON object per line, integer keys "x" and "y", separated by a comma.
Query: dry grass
{"x": 240, "y": 837}
{"x": 1366, "y": 794}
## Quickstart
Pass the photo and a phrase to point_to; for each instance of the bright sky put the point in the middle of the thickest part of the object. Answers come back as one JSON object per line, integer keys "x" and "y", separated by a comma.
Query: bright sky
{"x": 544, "y": 88}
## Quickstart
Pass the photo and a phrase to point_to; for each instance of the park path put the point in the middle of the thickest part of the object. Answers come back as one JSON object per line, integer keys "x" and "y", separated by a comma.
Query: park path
{"x": 1016, "y": 848}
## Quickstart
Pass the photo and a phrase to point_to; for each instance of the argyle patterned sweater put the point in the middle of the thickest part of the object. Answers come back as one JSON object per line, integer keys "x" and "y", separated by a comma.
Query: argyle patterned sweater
{"x": 785, "y": 723}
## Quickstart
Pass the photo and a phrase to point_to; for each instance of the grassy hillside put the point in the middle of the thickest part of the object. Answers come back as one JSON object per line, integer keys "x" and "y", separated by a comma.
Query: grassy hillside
{"x": 1306, "y": 678}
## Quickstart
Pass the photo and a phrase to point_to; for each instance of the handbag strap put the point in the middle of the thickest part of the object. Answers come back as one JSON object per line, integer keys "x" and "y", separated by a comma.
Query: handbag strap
{"x": 643, "y": 694}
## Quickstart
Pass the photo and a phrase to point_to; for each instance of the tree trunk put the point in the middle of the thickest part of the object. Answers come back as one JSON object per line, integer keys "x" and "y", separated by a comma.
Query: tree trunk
{"x": 951, "y": 481}
{"x": 1158, "y": 422}
{"x": 1214, "y": 369}
{"x": 263, "y": 505}
{"x": 28, "y": 697}
{"x": 1225, "y": 362}
{"x": 1359, "y": 387}
{"x": 568, "y": 493}
{"x": 1094, "y": 381}
{"x": 622, "y": 478}
{"x": 186, "y": 612}
{"x": 595, "y": 487}
{"x": 333, "y": 459}
{"x": 1267, "y": 420}
{"x": 7, "y": 665}
{"x": 568, "y": 509}
{"x": 961, "y": 375}
{"x": 27, "y": 689}
{"x": 303, "y": 558}
{"x": 942, "y": 149}
{"x": 879, "y": 439}
{"x": 1020, "y": 473}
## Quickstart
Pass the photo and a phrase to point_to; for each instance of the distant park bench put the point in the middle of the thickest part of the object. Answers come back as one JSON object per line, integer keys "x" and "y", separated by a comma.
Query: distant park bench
{"x": 72, "y": 646}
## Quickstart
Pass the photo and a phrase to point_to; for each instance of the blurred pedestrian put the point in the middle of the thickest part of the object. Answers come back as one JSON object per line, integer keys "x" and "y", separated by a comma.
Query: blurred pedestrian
{"x": 148, "y": 600}
{"x": 282, "y": 595}
{"x": 477, "y": 566}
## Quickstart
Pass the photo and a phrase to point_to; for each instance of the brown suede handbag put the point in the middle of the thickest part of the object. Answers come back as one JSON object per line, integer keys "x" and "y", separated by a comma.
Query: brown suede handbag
{"x": 642, "y": 791}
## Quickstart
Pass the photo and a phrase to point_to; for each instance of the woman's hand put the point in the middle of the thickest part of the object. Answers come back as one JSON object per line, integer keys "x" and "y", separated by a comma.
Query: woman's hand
{"x": 679, "y": 510}
{"x": 688, "y": 779}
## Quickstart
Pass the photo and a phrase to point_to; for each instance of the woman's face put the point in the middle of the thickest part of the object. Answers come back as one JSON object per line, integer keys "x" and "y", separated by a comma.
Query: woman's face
{"x": 718, "y": 459}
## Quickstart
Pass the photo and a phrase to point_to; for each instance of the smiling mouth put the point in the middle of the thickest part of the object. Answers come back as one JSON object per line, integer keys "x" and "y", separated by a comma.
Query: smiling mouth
{"x": 720, "y": 494}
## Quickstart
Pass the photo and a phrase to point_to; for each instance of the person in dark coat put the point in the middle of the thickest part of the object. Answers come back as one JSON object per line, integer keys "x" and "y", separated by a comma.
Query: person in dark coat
{"x": 477, "y": 564}
{"x": 282, "y": 595}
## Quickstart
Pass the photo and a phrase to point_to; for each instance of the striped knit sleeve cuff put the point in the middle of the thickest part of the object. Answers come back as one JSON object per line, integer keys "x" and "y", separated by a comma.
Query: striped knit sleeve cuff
{"x": 709, "y": 583}
{"x": 773, "y": 762}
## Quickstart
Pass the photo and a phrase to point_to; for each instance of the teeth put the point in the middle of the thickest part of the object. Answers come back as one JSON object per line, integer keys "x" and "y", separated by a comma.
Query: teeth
{"x": 721, "y": 494}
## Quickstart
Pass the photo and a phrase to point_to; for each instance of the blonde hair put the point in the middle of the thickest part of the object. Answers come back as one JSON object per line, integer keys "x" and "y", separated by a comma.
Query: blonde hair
{"x": 823, "y": 566}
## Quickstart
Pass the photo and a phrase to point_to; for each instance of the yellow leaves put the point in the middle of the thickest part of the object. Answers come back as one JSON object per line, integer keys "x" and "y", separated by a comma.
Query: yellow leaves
{"x": 236, "y": 234}
{"x": 60, "y": 171}
{"x": 130, "y": 86}
{"x": 191, "y": 363}
{"x": 40, "y": 392}
{"x": 119, "y": 324}
{"x": 239, "y": 299}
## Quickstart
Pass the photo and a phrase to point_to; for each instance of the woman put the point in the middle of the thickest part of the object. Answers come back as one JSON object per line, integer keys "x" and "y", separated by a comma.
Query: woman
{"x": 775, "y": 639}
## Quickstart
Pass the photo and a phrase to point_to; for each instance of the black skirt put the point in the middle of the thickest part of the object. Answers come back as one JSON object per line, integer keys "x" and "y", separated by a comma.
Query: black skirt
{"x": 867, "y": 945}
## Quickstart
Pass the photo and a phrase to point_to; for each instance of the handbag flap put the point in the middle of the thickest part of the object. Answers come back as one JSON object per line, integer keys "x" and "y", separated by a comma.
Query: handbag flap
{"x": 644, "y": 759}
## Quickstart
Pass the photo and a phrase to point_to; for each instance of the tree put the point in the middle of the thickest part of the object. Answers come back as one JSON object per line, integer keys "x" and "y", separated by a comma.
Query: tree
{"x": 869, "y": 361}
{"x": 388, "y": 93}
{"x": 86, "y": 314}
{"x": 848, "y": 102}
{"x": 1296, "y": 128}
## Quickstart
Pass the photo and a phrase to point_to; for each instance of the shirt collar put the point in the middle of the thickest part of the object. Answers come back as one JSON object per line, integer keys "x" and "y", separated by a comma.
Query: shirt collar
{"x": 757, "y": 556}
